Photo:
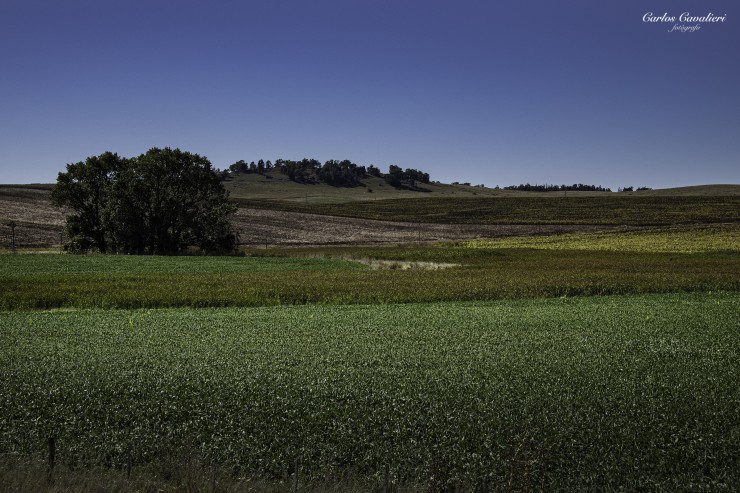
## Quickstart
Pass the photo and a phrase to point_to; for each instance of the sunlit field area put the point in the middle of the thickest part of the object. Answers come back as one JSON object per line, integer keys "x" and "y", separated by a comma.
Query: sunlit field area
{"x": 579, "y": 361}
{"x": 233, "y": 258}
{"x": 631, "y": 392}
{"x": 633, "y": 262}
{"x": 687, "y": 239}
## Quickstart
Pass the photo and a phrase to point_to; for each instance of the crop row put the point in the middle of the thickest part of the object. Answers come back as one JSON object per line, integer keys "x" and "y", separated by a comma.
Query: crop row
{"x": 120, "y": 265}
{"x": 615, "y": 392}
{"x": 692, "y": 239}
{"x": 606, "y": 210}
{"x": 480, "y": 274}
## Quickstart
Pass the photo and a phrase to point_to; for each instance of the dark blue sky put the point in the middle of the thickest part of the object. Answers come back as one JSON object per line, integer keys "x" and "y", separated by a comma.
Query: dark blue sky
{"x": 493, "y": 92}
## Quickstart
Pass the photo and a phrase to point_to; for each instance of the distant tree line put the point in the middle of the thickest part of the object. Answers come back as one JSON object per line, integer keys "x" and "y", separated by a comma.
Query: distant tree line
{"x": 336, "y": 173}
{"x": 398, "y": 177}
{"x": 161, "y": 202}
{"x": 631, "y": 189}
{"x": 259, "y": 167}
{"x": 579, "y": 187}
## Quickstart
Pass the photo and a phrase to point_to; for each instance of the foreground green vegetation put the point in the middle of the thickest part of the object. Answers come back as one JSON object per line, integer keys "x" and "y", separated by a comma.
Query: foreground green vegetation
{"x": 465, "y": 379}
{"x": 687, "y": 258}
{"x": 634, "y": 392}
{"x": 31, "y": 266}
{"x": 60, "y": 281}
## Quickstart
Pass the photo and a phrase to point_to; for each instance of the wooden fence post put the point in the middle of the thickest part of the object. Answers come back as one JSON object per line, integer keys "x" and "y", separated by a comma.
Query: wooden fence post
{"x": 128, "y": 463}
{"x": 52, "y": 459}
{"x": 12, "y": 235}
{"x": 52, "y": 452}
{"x": 295, "y": 477}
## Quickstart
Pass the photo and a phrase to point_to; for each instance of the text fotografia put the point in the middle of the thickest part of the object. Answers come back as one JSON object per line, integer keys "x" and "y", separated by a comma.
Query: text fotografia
{"x": 686, "y": 17}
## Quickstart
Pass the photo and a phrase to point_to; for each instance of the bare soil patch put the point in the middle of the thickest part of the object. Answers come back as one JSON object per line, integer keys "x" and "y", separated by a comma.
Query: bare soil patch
{"x": 263, "y": 227}
{"x": 39, "y": 224}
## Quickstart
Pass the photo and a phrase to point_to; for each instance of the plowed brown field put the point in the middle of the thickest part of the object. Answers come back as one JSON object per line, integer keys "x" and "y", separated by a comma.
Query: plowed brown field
{"x": 40, "y": 225}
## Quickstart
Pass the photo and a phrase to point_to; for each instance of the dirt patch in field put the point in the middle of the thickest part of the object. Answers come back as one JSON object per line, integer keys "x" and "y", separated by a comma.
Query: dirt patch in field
{"x": 262, "y": 227}
{"x": 402, "y": 264}
{"x": 39, "y": 224}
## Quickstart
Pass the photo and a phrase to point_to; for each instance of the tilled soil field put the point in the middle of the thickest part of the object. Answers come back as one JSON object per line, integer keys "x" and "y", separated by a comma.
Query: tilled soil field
{"x": 263, "y": 227}
{"x": 40, "y": 225}
{"x": 37, "y": 222}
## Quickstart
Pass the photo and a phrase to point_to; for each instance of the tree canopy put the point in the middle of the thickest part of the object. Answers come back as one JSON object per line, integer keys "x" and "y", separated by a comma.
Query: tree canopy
{"x": 336, "y": 173}
{"x": 576, "y": 187}
{"x": 161, "y": 202}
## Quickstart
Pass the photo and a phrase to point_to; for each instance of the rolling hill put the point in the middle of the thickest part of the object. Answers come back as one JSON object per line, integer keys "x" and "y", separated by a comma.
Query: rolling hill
{"x": 275, "y": 186}
{"x": 276, "y": 211}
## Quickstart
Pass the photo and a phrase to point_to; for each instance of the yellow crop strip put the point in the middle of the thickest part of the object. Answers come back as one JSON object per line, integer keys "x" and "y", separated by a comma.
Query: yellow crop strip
{"x": 687, "y": 239}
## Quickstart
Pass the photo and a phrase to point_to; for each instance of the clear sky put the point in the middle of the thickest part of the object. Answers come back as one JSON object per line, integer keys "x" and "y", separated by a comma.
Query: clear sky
{"x": 492, "y": 92}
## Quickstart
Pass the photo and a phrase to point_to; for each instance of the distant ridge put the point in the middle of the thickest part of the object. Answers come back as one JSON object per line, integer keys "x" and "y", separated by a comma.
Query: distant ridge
{"x": 275, "y": 186}
{"x": 717, "y": 189}
{"x": 273, "y": 211}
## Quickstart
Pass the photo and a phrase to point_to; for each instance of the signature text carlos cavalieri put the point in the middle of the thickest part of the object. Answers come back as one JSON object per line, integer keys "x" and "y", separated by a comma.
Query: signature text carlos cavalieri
{"x": 680, "y": 22}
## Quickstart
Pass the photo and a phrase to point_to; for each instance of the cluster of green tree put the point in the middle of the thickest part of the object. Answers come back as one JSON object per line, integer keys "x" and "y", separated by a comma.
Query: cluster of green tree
{"x": 343, "y": 173}
{"x": 632, "y": 189}
{"x": 241, "y": 166}
{"x": 578, "y": 187}
{"x": 303, "y": 171}
{"x": 468, "y": 184}
{"x": 161, "y": 202}
{"x": 398, "y": 177}
{"x": 337, "y": 173}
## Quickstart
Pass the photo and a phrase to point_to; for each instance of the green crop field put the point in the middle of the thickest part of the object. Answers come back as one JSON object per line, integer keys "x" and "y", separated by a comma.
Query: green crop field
{"x": 588, "y": 361}
{"x": 23, "y": 266}
{"x": 686, "y": 258}
{"x": 632, "y": 393}
{"x": 61, "y": 281}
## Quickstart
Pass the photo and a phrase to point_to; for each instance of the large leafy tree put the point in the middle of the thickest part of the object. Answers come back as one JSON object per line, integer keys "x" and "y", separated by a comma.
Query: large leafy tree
{"x": 161, "y": 202}
{"x": 85, "y": 189}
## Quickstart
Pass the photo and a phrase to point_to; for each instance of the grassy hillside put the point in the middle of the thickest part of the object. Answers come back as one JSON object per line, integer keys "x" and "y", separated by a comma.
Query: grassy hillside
{"x": 696, "y": 190}
{"x": 460, "y": 204}
{"x": 276, "y": 186}
{"x": 273, "y": 211}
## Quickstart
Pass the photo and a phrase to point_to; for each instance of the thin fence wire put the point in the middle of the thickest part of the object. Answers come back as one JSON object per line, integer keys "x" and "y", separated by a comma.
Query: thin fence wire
{"x": 29, "y": 235}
